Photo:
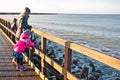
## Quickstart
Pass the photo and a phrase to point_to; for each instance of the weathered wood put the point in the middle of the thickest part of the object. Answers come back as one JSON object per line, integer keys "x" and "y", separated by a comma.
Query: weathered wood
{"x": 68, "y": 58}
{"x": 106, "y": 59}
{"x": 50, "y": 37}
{"x": 43, "y": 49}
{"x": 7, "y": 68}
{"x": 102, "y": 57}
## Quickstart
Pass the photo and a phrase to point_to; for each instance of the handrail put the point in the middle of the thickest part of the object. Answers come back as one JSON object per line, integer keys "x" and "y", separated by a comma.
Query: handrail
{"x": 68, "y": 46}
{"x": 108, "y": 60}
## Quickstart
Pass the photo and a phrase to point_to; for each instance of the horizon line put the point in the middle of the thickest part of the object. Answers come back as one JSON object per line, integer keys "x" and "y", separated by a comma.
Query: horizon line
{"x": 58, "y": 13}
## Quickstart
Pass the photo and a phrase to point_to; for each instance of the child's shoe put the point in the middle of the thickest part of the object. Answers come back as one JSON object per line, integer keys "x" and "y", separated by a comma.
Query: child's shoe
{"x": 22, "y": 68}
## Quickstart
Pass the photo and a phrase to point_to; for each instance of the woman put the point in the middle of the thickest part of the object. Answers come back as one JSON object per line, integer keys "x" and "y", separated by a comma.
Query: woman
{"x": 22, "y": 22}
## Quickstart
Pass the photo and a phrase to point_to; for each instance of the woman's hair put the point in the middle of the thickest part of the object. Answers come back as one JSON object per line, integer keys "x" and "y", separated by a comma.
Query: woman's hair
{"x": 25, "y": 12}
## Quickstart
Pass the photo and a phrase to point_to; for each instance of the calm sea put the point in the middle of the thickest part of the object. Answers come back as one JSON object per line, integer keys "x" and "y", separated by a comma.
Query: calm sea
{"x": 106, "y": 26}
{"x": 97, "y": 31}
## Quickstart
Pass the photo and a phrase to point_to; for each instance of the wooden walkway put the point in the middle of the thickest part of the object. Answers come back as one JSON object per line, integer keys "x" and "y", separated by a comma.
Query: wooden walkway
{"x": 7, "y": 68}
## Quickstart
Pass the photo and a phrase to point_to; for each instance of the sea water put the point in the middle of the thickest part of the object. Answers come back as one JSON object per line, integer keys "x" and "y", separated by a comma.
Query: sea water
{"x": 100, "y": 32}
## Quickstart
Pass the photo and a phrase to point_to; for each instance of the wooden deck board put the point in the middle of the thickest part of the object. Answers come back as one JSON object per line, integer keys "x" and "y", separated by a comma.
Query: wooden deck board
{"x": 7, "y": 68}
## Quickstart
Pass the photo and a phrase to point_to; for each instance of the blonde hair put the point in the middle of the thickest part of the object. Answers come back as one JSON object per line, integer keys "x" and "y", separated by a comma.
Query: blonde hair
{"x": 25, "y": 12}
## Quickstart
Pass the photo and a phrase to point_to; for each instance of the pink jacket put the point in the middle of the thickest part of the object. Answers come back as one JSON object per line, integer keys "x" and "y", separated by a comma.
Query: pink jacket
{"x": 24, "y": 42}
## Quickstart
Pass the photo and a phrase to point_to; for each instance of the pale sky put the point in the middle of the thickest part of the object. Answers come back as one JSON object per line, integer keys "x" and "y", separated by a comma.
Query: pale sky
{"x": 62, "y": 6}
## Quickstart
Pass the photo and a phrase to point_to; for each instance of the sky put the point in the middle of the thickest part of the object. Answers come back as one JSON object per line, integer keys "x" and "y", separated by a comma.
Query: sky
{"x": 62, "y": 6}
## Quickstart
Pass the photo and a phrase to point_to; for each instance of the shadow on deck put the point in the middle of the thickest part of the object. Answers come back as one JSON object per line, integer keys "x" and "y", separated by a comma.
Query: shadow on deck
{"x": 7, "y": 68}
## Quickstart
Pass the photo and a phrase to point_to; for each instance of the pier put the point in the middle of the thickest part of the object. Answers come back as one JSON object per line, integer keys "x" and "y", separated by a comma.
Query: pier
{"x": 7, "y": 68}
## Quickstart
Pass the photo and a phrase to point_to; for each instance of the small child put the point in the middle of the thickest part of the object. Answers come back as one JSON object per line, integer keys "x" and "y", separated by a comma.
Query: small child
{"x": 19, "y": 49}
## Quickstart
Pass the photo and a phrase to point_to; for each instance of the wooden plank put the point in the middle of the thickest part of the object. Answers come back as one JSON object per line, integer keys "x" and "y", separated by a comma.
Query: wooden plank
{"x": 108, "y": 60}
{"x": 68, "y": 59}
{"x": 43, "y": 49}
{"x": 50, "y": 37}
{"x": 36, "y": 69}
{"x": 58, "y": 67}
{"x": 7, "y": 68}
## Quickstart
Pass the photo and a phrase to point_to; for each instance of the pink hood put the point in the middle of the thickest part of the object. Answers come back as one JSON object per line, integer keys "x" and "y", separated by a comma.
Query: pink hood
{"x": 24, "y": 36}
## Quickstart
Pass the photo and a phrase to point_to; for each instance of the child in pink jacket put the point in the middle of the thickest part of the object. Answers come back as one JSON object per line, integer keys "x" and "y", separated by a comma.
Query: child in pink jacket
{"x": 19, "y": 49}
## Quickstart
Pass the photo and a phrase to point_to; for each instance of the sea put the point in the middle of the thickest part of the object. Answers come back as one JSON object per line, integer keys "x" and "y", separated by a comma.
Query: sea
{"x": 100, "y": 32}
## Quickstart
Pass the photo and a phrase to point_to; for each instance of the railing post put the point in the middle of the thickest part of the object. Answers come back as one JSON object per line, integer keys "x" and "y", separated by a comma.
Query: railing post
{"x": 43, "y": 50}
{"x": 13, "y": 38}
{"x": 68, "y": 58}
{"x": 9, "y": 26}
{"x": 5, "y": 25}
{"x": 30, "y": 51}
